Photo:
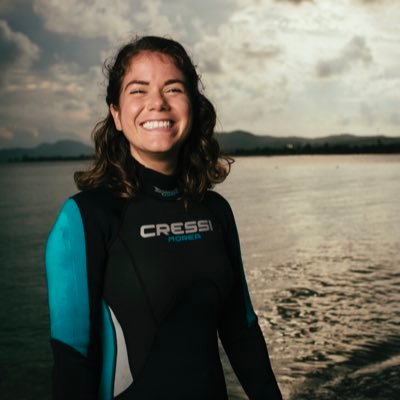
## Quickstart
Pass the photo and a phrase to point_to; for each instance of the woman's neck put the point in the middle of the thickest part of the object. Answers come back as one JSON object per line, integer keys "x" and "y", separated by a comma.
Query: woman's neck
{"x": 155, "y": 183}
{"x": 163, "y": 165}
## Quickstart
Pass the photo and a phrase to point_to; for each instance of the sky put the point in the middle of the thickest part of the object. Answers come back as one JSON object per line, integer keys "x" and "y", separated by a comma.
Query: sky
{"x": 306, "y": 68}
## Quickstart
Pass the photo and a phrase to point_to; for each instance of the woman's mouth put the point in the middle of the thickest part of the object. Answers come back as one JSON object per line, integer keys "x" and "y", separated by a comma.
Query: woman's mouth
{"x": 157, "y": 124}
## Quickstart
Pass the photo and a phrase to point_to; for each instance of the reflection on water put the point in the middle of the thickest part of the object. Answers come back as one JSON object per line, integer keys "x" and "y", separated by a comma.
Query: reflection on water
{"x": 321, "y": 247}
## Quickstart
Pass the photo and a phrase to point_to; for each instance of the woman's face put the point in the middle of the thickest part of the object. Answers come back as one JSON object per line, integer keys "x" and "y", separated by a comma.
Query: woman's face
{"x": 154, "y": 110}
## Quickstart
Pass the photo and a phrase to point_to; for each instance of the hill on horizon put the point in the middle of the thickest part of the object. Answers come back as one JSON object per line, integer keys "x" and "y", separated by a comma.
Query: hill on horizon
{"x": 60, "y": 149}
{"x": 235, "y": 142}
{"x": 242, "y": 140}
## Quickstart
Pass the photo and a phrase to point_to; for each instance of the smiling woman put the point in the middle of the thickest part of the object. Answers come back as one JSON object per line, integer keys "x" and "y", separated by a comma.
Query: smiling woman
{"x": 153, "y": 82}
{"x": 143, "y": 265}
{"x": 154, "y": 111}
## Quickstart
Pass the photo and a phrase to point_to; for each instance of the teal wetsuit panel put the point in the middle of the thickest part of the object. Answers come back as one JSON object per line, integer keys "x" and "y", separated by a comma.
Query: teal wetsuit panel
{"x": 67, "y": 279}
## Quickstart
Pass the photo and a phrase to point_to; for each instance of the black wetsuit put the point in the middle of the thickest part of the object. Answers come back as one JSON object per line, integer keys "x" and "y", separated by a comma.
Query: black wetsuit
{"x": 139, "y": 289}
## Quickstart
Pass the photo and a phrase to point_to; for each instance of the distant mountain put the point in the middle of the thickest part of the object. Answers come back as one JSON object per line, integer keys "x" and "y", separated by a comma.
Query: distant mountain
{"x": 232, "y": 141}
{"x": 235, "y": 143}
{"x": 242, "y": 142}
{"x": 63, "y": 149}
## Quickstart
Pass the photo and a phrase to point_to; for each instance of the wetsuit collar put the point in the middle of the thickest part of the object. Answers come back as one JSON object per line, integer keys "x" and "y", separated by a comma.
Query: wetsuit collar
{"x": 157, "y": 184}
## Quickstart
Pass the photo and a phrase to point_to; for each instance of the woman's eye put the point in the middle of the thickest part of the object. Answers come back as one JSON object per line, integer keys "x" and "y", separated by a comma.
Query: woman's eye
{"x": 136, "y": 91}
{"x": 174, "y": 90}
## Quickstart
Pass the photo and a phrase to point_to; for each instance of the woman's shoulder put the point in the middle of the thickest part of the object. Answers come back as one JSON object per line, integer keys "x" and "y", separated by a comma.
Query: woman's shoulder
{"x": 218, "y": 204}
{"x": 215, "y": 198}
{"x": 97, "y": 199}
{"x": 96, "y": 211}
{"x": 94, "y": 205}
{"x": 94, "y": 196}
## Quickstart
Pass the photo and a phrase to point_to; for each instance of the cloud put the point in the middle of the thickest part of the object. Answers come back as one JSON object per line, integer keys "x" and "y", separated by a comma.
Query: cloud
{"x": 374, "y": 2}
{"x": 30, "y": 137}
{"x": 242, "y": 70}
{"x": 211, "y": 65}
{"x": 6, "y": 134}
{"x": 296, "y": 2}
{"x": 152, "y": 20}
{"x": 267, "y": 51}
{"x": 86, "y": 19}
{"x": 17, "y": 50}
{"x": 8, "y": 5}
{"x": 261, "y": 62}
{"x": 394, "y": 119}
{"x": 100, "y": 19}
{"x": 354, "y": 52}
{"x": 184, "y": 20}
{"x": 62, "y": 101}
{"x": 367, "y": 114}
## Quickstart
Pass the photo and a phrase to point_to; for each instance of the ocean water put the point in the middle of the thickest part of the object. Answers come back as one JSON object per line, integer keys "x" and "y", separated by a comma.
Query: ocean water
{"x": 320, "y": 241}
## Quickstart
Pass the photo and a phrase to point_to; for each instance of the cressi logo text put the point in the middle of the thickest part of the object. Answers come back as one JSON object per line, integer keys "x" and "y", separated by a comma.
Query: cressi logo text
{"x": 176, "y": 232}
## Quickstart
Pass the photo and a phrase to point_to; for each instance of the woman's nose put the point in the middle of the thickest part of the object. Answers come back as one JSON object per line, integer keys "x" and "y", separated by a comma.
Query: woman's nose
{"x": 157, "y": 101}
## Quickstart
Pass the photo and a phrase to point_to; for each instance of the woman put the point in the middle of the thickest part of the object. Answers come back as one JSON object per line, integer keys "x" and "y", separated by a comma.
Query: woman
{"x": 143, "y": 265}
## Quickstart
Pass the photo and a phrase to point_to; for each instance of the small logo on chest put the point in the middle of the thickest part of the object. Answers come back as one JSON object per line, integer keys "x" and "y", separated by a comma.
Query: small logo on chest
{"x": 166, "y": 193}
{"x": 177, "y": 231}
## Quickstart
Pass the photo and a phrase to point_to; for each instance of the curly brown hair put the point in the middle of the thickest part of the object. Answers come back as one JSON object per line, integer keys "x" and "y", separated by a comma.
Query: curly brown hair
{"x": 201, "y": 165}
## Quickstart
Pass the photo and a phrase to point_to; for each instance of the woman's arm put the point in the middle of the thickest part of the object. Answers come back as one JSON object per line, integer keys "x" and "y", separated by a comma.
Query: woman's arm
{"x": 240, "y": 333}
{"x": 74, "y": 373}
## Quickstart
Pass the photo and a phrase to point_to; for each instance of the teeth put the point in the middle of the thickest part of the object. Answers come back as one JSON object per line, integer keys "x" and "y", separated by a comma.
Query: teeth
{"x": 156, "y": 124}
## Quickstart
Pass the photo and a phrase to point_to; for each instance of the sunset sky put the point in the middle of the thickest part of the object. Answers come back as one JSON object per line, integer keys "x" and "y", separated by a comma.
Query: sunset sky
{"x": 279, "y": 67}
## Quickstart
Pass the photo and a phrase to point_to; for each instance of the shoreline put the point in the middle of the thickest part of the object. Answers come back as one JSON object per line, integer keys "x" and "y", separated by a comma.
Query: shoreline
{"x": 380, "y": 155}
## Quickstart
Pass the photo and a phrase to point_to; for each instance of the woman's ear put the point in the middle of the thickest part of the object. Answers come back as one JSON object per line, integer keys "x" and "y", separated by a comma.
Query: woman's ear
{"x": 116, "y": 116}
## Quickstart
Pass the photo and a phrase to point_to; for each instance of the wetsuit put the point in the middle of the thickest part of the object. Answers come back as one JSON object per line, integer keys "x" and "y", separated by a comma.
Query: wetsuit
{"x": 139, "y": 289}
